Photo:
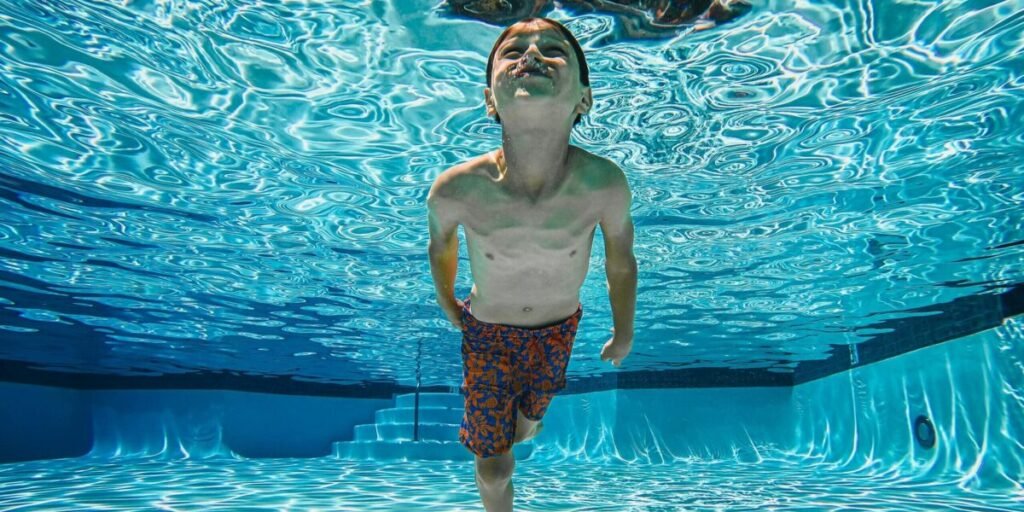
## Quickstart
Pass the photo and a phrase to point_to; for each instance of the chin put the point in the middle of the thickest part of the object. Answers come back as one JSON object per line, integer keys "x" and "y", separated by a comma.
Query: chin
{"x": 533, "y": 97}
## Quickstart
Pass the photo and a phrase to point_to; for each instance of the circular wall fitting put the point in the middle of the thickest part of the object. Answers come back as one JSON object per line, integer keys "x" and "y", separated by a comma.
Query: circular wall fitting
{"x": 924, "y": 432}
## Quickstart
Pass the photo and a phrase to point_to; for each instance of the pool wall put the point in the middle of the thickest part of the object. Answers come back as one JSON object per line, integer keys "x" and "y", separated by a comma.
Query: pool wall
{"x": 46, "y": 422}
{"x": 42, "y": 422}
{"x": 970, "y": 389}
{"x": 665, "y": 425}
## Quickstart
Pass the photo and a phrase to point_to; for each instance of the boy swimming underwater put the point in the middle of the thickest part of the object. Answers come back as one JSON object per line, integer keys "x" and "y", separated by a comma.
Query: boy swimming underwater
{"x": 529, "y": 211}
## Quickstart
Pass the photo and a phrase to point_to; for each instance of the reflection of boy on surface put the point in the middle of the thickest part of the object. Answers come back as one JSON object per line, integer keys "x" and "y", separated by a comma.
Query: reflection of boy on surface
{"x": 639, "y": 18}
{"x": 529, "y": 211}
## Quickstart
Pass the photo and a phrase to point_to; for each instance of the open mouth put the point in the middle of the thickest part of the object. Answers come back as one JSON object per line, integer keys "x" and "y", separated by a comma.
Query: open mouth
{"x": 530, "y": 73}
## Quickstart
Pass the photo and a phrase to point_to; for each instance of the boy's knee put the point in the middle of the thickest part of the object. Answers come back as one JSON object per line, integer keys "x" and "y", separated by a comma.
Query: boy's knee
{"x": 495, "y": 472}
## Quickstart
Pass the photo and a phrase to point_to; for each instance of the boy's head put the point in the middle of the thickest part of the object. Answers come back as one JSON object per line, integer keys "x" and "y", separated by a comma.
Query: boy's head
{"x": 537, "y": 23}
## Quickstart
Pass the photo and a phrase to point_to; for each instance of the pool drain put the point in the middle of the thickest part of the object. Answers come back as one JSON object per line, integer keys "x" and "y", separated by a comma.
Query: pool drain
{"x": 924, "y": 432}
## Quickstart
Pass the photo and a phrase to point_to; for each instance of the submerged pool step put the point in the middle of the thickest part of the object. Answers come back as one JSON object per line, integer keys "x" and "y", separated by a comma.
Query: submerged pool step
{"x": 413, "y": 450}
{"x": 427, "y": 415}
{"x": 390, "y": 438}
{"x": 452, "y": 400}
{"x": 404, "y": 432}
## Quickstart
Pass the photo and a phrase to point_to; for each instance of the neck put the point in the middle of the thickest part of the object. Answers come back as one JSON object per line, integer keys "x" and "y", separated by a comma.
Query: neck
{"x": 534, "y": 156}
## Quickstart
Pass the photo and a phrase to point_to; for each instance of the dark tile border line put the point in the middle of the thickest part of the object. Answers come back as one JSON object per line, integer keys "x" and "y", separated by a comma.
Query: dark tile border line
{"x": 681, "y": 378}
{"x": 936, "y": 324}
{"x": 26, "y": 373}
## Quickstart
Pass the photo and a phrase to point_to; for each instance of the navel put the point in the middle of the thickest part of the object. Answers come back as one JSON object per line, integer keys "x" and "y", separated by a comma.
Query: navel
{"x": 490, "y": 256}
{"x": 527, "y": 309}
{"x": 573, "y": 253}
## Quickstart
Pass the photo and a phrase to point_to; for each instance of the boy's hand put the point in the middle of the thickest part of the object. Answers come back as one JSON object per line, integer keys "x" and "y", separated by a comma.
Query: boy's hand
{"x": 616, "y": 349}
{"x": 453, "y": 310}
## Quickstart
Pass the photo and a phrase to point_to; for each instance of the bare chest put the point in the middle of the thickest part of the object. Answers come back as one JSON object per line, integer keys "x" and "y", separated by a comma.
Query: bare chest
{"x": 529, "y": 260}
{"x": 518, "y": 226}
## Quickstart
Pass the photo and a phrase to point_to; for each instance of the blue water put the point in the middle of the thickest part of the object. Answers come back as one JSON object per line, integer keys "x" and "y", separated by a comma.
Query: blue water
{"x": 205, "y": 186}
{"x": 327, "y": 484}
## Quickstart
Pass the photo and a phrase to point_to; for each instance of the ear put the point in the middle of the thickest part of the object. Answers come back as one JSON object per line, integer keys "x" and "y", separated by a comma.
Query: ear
{"x": 585, "y": 102}
{"x": 492, "y": 111}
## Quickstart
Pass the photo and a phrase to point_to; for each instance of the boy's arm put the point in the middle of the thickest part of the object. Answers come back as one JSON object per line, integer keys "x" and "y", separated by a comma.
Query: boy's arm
{"x": 444, "y": 251}
{"x": 620, "y": 263}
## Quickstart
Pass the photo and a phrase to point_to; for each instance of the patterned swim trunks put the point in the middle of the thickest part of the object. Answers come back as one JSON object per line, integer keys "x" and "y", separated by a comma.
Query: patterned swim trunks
{"x": 507, "y": 370}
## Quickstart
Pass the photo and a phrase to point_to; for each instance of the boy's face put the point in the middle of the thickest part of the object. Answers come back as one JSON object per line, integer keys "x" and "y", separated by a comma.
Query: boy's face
{"x": 536, "y": 71}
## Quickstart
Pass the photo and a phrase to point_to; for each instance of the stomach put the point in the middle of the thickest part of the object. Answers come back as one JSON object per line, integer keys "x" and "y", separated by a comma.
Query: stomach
{"x": 527, "y": 286}
{"x": 529, "y": 298}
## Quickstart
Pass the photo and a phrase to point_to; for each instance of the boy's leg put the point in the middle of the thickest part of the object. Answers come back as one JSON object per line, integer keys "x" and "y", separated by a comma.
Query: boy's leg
{"x": 526, "y": 428}
{"x": 494, "y": 480}
{"x": 549, "y": 351}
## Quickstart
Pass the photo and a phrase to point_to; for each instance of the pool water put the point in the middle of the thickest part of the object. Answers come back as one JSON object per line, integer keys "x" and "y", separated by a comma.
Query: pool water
{"x": 790, "y": 484}
{"x": 198, "y": 188}
{"x": 636, "y": 449}
{"x": 213, "y": 257}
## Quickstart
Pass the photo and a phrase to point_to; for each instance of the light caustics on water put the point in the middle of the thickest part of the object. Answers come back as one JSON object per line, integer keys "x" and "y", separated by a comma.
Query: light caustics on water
{"x": 330, "y": 484}
{"x": 196, "y": 186}
{"x": 203, "y": 186}
{"x": 837, "y": 453}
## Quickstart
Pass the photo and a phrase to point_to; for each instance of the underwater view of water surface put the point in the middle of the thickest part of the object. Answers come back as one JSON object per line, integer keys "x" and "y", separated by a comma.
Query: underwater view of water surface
{"x": 218, "y": 194}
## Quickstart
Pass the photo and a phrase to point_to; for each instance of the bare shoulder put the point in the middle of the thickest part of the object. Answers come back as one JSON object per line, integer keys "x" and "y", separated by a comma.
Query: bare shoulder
{"x": 607, "y": 182}
{"x": 447, "y": 184}
{"x": 454, "y": 184}
{"x": 600, "y": 173}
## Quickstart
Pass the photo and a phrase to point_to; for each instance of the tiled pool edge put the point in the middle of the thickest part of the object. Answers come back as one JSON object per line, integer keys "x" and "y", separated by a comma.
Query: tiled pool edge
{"x": 933, "y": 325}
{"x": 963, "y": 317}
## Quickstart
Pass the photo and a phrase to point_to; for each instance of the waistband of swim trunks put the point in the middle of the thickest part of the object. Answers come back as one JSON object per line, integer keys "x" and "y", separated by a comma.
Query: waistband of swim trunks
{"x": 470, "y": 319}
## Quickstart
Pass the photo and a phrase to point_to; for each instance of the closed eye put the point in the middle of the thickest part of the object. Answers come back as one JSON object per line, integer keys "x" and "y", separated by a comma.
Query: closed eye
{"x": 550, "y": 49}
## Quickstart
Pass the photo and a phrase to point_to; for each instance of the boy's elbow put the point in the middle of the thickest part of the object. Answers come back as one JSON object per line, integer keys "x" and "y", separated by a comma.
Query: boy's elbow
{"x": 440, "y": 246}
{"x": 622, "y": 266}
{"x": 437, "y": 254}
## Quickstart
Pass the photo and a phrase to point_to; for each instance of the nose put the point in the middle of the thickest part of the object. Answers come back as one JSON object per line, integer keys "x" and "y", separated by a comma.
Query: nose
{"x": 530, "y": 57}
{"x": 532, "y": 52}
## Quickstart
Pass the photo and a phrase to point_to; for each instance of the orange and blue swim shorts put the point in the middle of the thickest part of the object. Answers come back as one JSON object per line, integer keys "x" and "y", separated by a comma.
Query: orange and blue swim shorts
{"x": 509, "y": 370}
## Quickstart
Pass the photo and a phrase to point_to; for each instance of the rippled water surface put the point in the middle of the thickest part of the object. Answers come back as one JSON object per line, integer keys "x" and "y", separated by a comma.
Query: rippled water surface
{"x": 330, "y": 484}
{"x": 219, "y": 186}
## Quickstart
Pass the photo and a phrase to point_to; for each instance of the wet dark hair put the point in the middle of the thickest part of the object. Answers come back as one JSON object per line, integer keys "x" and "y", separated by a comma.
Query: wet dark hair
{"x": 584, "y": 71}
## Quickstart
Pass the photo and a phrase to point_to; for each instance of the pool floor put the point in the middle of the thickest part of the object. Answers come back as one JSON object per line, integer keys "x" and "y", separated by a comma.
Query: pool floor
{"x": 331, "y": 484}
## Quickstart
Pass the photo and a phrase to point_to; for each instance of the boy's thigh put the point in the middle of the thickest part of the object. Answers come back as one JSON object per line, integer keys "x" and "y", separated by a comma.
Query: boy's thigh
{"x": 488, "y": 421}
{"x": 534, "y": 404}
